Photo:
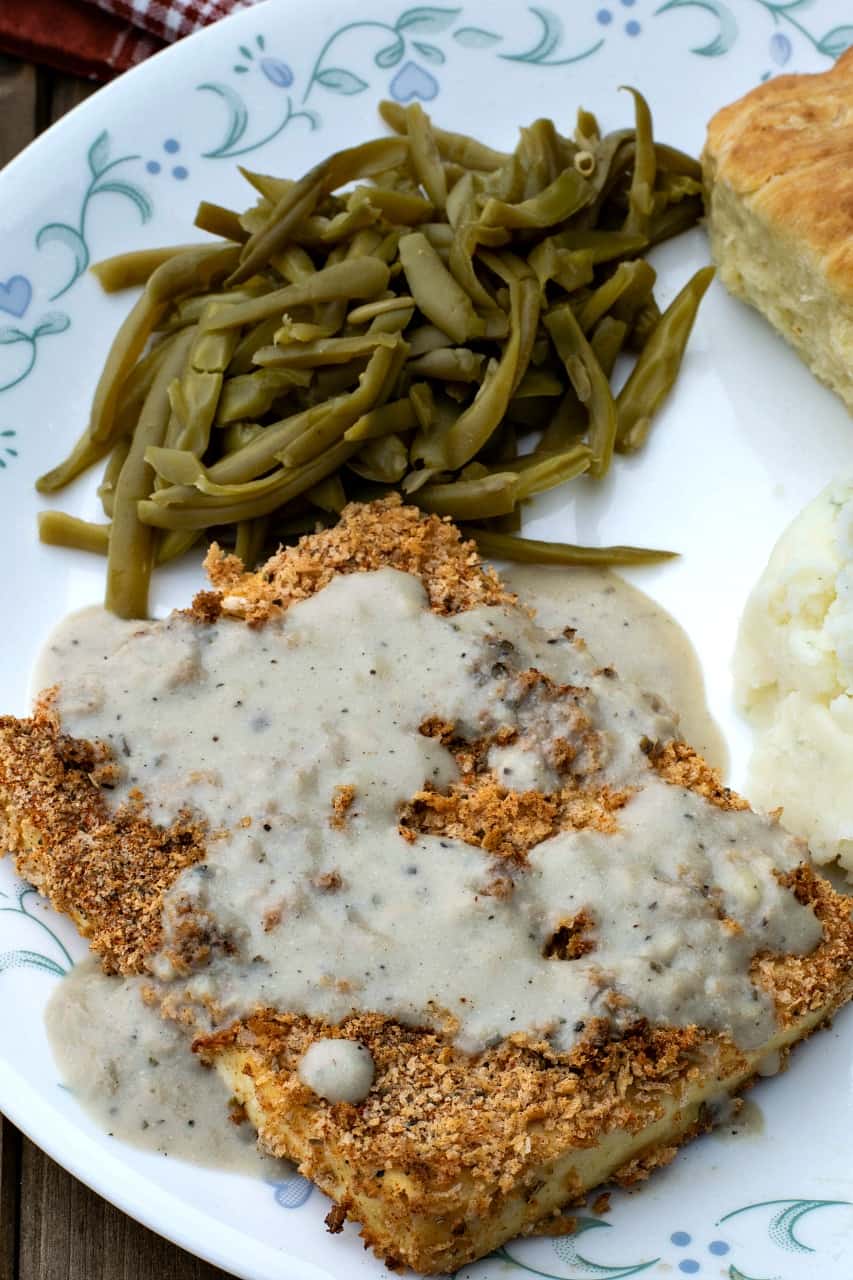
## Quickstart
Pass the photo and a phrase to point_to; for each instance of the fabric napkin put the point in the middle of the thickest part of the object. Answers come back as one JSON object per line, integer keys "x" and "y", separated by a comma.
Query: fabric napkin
{"x": 171, "y": 19}
{"x": 98, "y": 39}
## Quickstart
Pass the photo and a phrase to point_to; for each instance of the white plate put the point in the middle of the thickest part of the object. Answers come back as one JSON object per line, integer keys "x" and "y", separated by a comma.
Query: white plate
{"x": 747, "y": 439}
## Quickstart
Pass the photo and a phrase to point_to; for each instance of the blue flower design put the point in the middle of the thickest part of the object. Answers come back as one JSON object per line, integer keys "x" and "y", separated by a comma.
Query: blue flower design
{"x": 780, "y": 48}
{"x": 274, "y": 69}
{"x": 277, "y": 72}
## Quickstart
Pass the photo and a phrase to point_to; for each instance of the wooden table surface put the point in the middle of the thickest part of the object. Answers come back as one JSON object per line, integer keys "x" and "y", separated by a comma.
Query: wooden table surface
{"x": 51, "y": 1226}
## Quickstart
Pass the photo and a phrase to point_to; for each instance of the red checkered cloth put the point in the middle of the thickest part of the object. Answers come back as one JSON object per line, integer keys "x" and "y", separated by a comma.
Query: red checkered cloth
{"x": 171, "y": 19}
{"x": 99, "y": 39}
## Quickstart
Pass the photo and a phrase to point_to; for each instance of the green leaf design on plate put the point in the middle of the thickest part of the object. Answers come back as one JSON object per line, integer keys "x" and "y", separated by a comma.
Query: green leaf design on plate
{"x": 69, "y": 238}
{"x": 735, "y": 1274}
{"x": 782, "y": 1228}
{"x": 238, "y": 117}
{"x": 476, "y": 38}
{"x": 130, "y": 192}
{"x": 834, "y": 43}
{"x": 99, "y": 154}
{"x": 550, "y": 39}
{"x": 339, "y": 80}
{"x": 29, "y": 960}
{"x": 9, "y": 334}
{"x": 426, "y": 20}
{"x": 728, "y": 28}
{"x": 391, "y": 54}
{"x": 429, "y": 52}
{"x": 51, "y": 322}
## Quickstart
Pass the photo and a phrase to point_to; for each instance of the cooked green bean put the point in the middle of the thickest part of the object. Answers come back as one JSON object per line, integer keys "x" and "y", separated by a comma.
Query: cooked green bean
{"x": 559, "y": 201}
{"x": 289, "y": 483}
{"x": 56, "y": 529}
{"x": 436, "y": 292}
{"x": 532, "y": 551}
{"x": 419, "y": 312}
{"x": 491, "y": 495}
{"x": 384, "y": 460}
{"x": 424, "y": 155}
{"x": 301, "y": 200}
{"x": 451, "y": 364}
{"x": 354, "y": 278}
{"x": 373, "y": 388}
{"x": 640, "y": 195}
{"x": 607, "y": 340}
{"x": 386, "y": 419}
{"x": 112, "y": 471}
{"x": 572, "y": 346}
{"x": 131, "y": 545}
{"x": 652, "y": 377}
{"x": 250, "y": 395}
{"x": 631, "y": 282}
{"x": 219, "y": 221}
{"x": 456, "y": 147}
{"x": 126, "y": 270}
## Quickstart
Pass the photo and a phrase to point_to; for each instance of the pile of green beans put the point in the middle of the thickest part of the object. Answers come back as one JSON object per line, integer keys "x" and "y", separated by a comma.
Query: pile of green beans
{"x": 446, "y": 326}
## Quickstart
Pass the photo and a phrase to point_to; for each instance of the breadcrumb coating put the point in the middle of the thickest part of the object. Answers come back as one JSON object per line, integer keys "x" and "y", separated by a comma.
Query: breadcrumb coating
{"x": 376, "y": 535}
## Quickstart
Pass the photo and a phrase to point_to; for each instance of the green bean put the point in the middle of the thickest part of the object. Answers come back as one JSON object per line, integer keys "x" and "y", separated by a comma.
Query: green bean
{"x": 405, "y": 208}
{"x": 436, "y": 292}
{"x": 250, "y": 395}
{"x": 260, "y": 335}
{"x": 85, "y": 453}
{"x": 569, "y": 267}
{"x": 301, "y": 200}
{"x": 569, "y": 420}
{"x": 384, "y": 460}
{"x": 587, "y": 132}
{"x": 532, "y": 551}
{"x": 218, "y": 221}
{"x": 369, "y": 310}
{"x": 607, "y": 340}
{"x": 568, "y": 193}
{"x": 674, "y": 220}
{"x": 603, "y": 245}
{"x": 131, "y": 545}
{"x": 577, "y": 355}
{"x": 126, "y": 270}
{"x": 191, "y": 272}
{"x": 491, "y": 495}
{"x": 392, "y": 321}
{"x": 424, "y": 155}
{"x": 374, "y": 386}
{"x": 640, "y": 201}
{"x": 106, "y": 489}
{"x": 287, "y": 483}
{"x": 546, "y": 472}
{"x": 386, "y": 419}
{"x": 652, "y": 377}
{"x": 328, "y": 495}
{"x": 125, "y": 351}
{"x": 308, "y": 355}
{"x": 451, "y": 364}
{"x": 354, "y": 278}
{"x": 630, "y": 283}
{"x": 456, "y": 147}
{"x": 671, "y": 160}
{"x": 536, "y": 382}
{"x": 251, "y": 535}
{"x": 473, "y": 427}
{"x": 56, "y": 529}
{"x": 427, "y": 338}
{"x": 174, "y": 544}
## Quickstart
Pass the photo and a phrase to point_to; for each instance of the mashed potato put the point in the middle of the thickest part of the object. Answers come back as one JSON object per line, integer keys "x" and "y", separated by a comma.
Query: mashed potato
{"x": 794, "y": 676}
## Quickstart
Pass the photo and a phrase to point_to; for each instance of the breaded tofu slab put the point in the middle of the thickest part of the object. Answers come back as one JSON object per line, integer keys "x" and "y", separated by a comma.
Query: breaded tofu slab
{"x": 778, "y": 167}
{"x": 470, "y": 1132}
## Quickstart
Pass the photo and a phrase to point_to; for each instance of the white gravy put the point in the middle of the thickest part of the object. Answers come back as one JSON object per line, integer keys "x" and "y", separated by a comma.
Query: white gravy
{"x": 255, "y": 729}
